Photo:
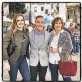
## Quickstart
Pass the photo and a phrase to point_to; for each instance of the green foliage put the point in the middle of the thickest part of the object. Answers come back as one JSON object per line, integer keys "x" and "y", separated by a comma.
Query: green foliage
{"x": 15, "y": 7}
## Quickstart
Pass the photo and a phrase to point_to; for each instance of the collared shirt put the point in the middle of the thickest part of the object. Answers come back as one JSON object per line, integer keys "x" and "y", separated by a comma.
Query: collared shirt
{"x": 54, "y": 57}
{"x": 39, "y": 38}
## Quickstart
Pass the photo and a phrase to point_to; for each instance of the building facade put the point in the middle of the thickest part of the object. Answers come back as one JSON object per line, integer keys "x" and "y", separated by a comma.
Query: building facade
{"x": 70, "y": 12}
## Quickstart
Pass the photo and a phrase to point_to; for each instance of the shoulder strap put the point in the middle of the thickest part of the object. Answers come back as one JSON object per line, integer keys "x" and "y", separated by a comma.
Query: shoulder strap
{"x": 12, "y": 36}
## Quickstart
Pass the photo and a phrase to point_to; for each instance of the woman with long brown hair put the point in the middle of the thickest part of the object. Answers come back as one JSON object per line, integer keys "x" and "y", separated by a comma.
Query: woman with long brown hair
{"x": 17, "y": 60}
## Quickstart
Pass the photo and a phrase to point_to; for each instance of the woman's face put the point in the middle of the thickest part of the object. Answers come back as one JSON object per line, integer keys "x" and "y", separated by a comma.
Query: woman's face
{"x": 58, "y": 25}
{"x": 20, "y": 22}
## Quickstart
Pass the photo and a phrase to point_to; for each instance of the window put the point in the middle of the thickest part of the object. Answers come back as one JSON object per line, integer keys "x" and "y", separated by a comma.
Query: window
{"x": 46, "y": 11}
{"x": 27, "y": 8}
{"x": 35, "y": 9}
{"x": 42, "y": 8}
{"x": 52, "y": 6}
{"x": 57, "y": 7}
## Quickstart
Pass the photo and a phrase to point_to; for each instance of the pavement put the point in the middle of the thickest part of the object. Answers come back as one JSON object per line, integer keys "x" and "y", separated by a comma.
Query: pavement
{"x": 48, "y": 76}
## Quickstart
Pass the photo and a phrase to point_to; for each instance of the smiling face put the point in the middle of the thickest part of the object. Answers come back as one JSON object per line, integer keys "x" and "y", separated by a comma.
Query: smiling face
{"x": 58, "y": 25}
{"x": 39, "y": 22}
{"x": 20, "y": 21}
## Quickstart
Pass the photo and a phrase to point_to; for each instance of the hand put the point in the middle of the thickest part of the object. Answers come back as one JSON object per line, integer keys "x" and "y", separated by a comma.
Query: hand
{"x": 54, "y": 50}
{"x": 6, "y": 65}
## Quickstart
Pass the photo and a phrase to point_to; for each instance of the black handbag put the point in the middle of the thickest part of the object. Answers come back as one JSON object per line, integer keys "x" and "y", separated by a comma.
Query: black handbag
{"x": 11, "y": 47}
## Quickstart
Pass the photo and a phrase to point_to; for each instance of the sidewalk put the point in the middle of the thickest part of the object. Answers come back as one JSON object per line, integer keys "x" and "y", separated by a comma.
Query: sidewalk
{"x": 74, "y": 78}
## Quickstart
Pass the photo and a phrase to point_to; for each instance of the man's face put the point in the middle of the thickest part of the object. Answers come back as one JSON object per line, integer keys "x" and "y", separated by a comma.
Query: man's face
{"x": 39, "y": 22}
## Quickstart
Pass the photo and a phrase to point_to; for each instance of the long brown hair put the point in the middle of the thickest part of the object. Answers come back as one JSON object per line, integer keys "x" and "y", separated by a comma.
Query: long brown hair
{"x": 14, "y": 23}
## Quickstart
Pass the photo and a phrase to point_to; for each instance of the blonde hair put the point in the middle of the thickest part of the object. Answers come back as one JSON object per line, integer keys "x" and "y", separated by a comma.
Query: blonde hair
{"x": 14, "y": 23}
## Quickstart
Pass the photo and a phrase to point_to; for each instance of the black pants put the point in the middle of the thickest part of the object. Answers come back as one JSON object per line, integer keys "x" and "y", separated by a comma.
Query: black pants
{"x": 38, "y": 69}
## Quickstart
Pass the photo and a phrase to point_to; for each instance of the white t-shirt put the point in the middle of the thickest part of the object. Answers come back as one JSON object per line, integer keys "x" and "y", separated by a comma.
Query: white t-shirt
{"x": 54, "y": 57}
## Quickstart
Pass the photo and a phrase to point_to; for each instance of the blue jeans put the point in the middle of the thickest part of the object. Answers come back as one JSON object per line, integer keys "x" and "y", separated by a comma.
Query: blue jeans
{"x": 22, "y": 65}
{"x": 75, "y": 47}
{"x": 54, "y": 73}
